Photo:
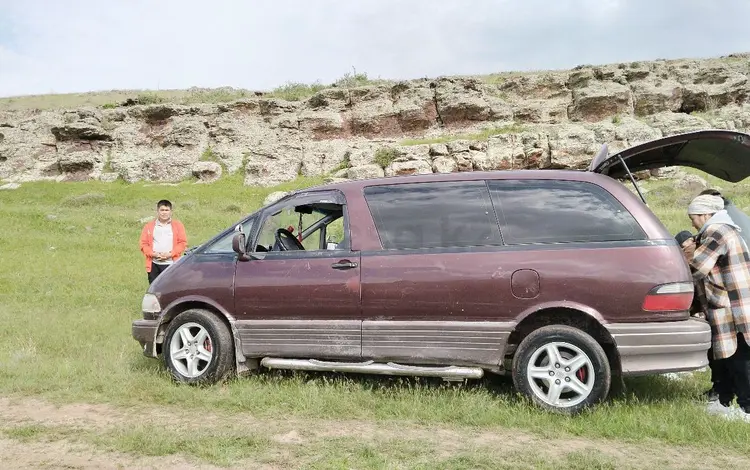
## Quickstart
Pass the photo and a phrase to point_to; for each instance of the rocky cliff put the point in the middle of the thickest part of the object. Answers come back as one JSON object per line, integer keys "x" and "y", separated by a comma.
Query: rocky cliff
{"x": 512, "y": 120}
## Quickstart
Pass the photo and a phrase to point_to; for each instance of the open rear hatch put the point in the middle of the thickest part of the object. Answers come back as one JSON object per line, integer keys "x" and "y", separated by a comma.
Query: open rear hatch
{"x": 720, "y": 153}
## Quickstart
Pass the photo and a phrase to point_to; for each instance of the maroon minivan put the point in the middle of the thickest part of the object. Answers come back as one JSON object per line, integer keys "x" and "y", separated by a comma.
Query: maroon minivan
{"x": 563, "y": 279}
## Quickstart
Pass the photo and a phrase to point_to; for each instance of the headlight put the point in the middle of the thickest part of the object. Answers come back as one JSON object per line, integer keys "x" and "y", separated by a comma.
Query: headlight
{"x": 150, "y": 304}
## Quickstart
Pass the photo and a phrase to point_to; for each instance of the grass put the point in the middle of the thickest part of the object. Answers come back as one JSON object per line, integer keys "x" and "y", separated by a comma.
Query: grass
{"x": 384, "y": 156}
{"x": 225, "y": 448}
{"x": 71, "y": 282}
{"x": 28, "y": 432}
{"x": 221, "y": 448}
{"x": 481, "y": 135}
{"x": 297, "y": 91}
{"x": 346, "y": 163}
{"x": 208, "y": 155}
{"x": 294, "y": 91}
{"x": 502, "y": 77}
{"x": 670, "y": 203}
{"x": 114, "y": 98}
{"x": 291, "y": 91}
{"x": 151, "y": 97}
{"x": 81, "y": 200}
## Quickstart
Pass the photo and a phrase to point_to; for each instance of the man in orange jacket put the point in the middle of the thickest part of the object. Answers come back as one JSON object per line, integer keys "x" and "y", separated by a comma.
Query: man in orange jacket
{"x": 163, "y": 240}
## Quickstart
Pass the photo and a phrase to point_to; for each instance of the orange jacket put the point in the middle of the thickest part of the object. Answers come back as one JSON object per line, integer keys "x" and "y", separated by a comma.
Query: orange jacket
{"x": 179, "y": 241}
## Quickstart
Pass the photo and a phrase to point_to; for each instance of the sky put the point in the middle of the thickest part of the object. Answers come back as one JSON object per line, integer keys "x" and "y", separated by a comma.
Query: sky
{"x": 52, "y": 46}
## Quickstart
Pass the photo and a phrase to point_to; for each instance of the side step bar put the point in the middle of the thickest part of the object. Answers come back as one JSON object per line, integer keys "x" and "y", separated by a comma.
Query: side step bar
{"x": 372, "y": 367}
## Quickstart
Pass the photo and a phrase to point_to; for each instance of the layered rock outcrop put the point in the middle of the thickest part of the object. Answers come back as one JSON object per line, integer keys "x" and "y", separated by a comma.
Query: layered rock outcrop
{"x": 555, "y": 119}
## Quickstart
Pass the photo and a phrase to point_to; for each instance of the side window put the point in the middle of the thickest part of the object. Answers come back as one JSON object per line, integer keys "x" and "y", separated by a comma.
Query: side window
{"x": 308, "y": 224}
{"x": 286, "y": 218}
{"x": 335, "y": 234}
{"x": 224, "y": 244}
{"x": 433, "y": 215}
{"x": 548, "y": 211}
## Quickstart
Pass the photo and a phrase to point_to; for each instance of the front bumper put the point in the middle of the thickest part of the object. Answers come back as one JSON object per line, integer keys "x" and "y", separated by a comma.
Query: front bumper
{"x": 144, "y": 331}
{"x": 656, "y": 348}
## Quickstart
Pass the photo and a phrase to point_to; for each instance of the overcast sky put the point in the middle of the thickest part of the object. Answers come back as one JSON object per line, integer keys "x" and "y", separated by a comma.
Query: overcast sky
{"x": 56, "y": 46}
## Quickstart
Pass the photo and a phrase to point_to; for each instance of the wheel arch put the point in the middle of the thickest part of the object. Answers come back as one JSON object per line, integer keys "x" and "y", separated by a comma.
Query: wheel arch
{"x": 175, "y": 308}
{"x": 577, "y": 316}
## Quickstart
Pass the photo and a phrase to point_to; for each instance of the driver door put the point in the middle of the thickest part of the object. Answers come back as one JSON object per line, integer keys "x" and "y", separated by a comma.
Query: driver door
{"x": 300, "y": 299}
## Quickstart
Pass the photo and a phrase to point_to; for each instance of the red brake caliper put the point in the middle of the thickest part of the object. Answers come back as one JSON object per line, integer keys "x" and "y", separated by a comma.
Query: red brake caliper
{"x": 207, "y": 344}
{"x": 581, "y": 374}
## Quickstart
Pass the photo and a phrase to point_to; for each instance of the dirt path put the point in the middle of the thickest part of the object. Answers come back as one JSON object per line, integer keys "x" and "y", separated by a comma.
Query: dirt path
{"x": 61, "y": 454}
{"x": 289, "y": 442}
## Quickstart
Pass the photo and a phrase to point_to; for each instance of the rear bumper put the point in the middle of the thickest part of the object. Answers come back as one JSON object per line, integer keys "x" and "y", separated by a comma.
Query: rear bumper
{"x": 656, "y": 348}
{"x": 144, "y": 331}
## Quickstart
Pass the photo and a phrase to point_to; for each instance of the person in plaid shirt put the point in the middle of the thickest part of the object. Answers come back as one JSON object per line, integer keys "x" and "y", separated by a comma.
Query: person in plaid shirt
{"x": 720, "y": 263}
{"x": 743, "y": 221}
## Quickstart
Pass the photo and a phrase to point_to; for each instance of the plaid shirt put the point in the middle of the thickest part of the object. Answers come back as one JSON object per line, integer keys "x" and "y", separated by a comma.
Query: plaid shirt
{"x": 721, "y": 263}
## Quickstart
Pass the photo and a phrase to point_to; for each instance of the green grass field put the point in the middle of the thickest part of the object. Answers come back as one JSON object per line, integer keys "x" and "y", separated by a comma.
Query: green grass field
{"x": 71, "y": 282}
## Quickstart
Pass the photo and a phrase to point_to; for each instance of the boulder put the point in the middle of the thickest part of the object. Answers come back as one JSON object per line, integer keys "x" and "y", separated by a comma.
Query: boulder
{"x": 412, "y": 167}
{"x": 677, "y": 123}
{"x": 444, "y": 164}
{"x": 80, "y": 131}
{"x": 109, "y": 177}
{"x": 186, "y": 133}
{"x": 572, "y": 146}
{"x": 437, "y": 150}
{"x": 274, "y": 196}
{"x": 322, "y": 124}
{"x": 269, "y": 172}
{"x": 600, "y": 100}
{"x": 634, "y": 132}
{"x": 461, "y": 102}
{"x": 657, "y": 96}
{"x": 504, "y": 152}
{"x": 207, "y": 172}
{"x": 691, "y": 183}
{"x": 365, "y": 172}
{"x": 77, "y": 163}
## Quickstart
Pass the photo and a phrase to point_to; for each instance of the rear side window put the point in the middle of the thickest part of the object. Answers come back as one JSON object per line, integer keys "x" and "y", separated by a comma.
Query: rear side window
{"x": 550, "y": 211}
{"x": 433, "y": 215}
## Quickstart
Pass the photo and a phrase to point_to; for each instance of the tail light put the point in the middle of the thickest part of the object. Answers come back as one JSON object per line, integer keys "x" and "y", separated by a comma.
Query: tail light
{"x": 669, "y": 297}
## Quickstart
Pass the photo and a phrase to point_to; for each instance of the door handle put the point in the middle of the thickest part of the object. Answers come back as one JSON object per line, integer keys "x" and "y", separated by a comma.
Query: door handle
{"x": 344, "y": 265}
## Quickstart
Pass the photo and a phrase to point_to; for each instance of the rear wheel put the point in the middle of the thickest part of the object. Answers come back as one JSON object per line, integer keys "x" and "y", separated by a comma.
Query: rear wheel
{"x": 198, "y": 348}
{"x": 561, "y": 369}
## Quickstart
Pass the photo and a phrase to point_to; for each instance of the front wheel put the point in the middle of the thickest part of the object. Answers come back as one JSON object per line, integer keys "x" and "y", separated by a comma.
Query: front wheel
{"x": 198, "y": 348}
{"x": 561, "y": 369}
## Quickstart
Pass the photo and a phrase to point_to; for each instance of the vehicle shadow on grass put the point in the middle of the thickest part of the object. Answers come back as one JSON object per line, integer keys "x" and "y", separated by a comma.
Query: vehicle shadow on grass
{"x": 662, "y": 389}
{"x": 654, "y": 389}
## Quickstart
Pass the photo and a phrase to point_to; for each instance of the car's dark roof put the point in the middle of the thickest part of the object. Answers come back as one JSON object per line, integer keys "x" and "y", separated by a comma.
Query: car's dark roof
{"x": 574, "y": 175}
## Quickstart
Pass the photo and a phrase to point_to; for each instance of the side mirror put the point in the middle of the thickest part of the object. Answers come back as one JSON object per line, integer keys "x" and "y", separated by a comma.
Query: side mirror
{"x": 238, "y": 243}
{"x": 239, "y": 246}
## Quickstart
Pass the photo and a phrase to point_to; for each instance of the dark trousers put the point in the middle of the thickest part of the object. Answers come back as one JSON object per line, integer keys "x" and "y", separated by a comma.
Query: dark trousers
{"x": 731, "y": 376}
{"x": 712, "y": 366}
{"x": 156, "y": 269}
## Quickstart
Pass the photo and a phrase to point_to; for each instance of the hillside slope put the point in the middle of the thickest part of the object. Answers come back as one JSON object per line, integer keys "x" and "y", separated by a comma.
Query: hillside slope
{"x": 359, "y": 128}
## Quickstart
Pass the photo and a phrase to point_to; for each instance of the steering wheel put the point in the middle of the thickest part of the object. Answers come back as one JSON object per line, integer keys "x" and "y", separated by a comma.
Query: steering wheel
{"x": 287, "y": 241}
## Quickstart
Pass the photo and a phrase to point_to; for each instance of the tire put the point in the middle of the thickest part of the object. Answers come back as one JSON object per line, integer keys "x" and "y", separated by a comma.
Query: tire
{"x": 213, "y": 359}
{"x": 583, "y": 383}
